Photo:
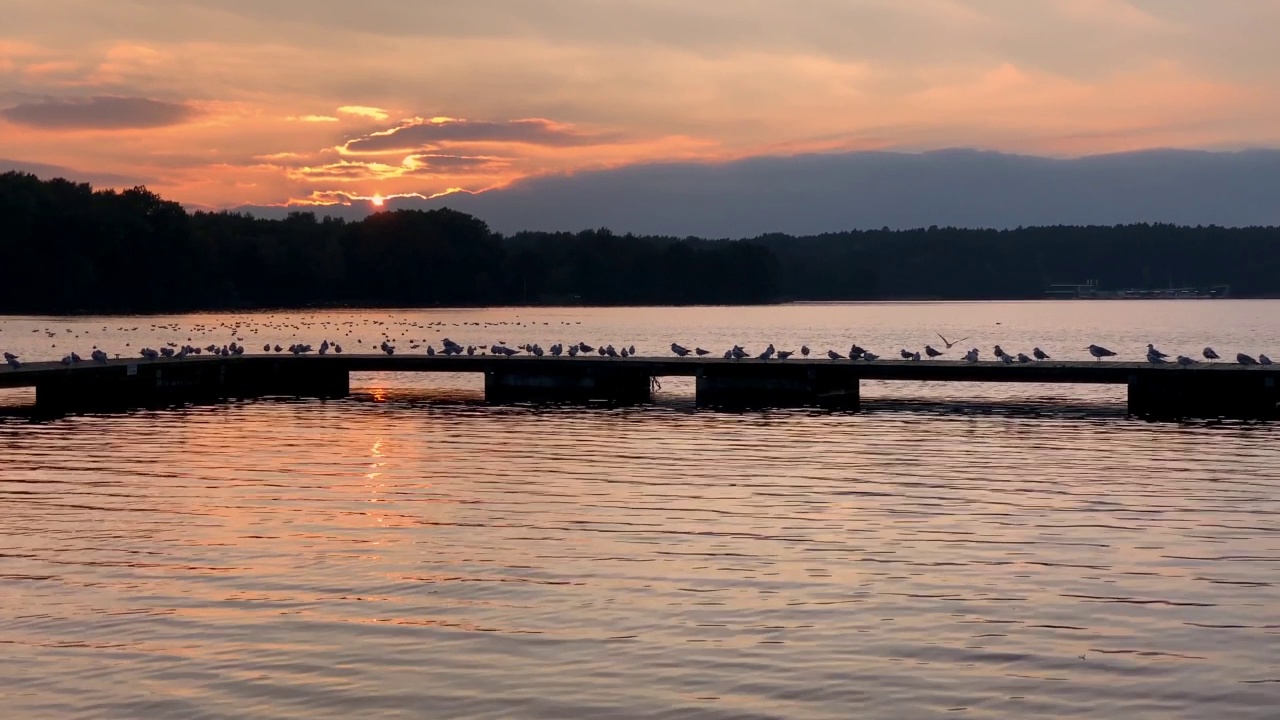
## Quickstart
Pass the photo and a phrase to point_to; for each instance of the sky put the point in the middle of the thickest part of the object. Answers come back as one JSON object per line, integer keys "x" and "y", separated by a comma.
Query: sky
{"x": 226, "y": 103}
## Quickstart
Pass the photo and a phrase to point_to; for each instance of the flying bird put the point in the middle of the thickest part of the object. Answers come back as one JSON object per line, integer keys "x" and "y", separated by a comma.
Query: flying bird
{"x": 948, "y": 343}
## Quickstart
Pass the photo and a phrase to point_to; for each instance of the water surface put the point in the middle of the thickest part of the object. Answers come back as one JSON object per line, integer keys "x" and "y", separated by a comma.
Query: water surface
{"x": 962, "y": 551}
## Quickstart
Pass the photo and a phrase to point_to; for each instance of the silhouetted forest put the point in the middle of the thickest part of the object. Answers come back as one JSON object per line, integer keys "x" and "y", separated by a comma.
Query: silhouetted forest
{"x": 67, "y": 248}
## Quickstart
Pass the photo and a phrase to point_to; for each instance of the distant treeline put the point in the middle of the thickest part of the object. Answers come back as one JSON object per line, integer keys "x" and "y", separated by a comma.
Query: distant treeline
{"x": 67, "y": 248}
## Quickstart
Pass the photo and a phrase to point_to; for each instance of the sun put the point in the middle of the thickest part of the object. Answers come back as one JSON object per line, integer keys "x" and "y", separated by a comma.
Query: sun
{"x": 378, "y": 200}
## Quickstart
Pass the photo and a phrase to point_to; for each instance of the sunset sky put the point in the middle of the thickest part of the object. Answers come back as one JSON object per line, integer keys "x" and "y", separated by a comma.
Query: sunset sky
{"x": 220, "y": 103}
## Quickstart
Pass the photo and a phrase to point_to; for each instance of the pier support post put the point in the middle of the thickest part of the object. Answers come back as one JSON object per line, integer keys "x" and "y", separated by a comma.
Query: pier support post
{"x": 1172, "y": 394}
{"x": 572, "y": 385}
{"x": 778, "y": 386}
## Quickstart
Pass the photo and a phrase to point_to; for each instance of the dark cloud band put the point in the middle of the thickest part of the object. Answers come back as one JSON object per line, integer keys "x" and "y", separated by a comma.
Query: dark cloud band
{"x": 99, "y": 113}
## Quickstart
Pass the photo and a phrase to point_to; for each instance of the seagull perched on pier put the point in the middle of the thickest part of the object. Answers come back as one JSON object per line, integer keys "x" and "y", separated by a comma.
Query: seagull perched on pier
{"x": 586, "y": 348}
{"x": 1209, "y": 354}
{"x": 928, "y": 350}
{"x": 855, "y": 351}
{"x": 906, "y": 354}
{"x": 701, "y": 353}
{"x": 870, "y": 357}
{"x": 804, "y": 350}
{"x": 998, "y": 352}
{"x": 1155, "y": 357}
{"x": 1264, "y": 360}
{"x": 12, "y": 360}
{"x": 1245, "y": 359}
{"x": 784, "y": 354}
{"x": 573, "y": 351}
{"x": 1098, "y": 352}
{"x": 1153, "y": 352}
{"x": 834, "y": 355}
{"x": 948, "y": 343}
{"x": 1006, "y": 358}
{"x": 971, "y": 356}
{"x": 738, "y": 352}
{"x": 679, "y": 350}
{"x": 1039, "y": 354}
{"x": 768, "y": 353}
{"x": 1022, "y": 358}
{"x": 1185, "y": 361}
{"x": 98, "y": 356}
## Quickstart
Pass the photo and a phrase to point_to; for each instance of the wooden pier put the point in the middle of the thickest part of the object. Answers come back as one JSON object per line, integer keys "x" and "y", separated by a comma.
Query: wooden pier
{"x": 1154, "y": 391}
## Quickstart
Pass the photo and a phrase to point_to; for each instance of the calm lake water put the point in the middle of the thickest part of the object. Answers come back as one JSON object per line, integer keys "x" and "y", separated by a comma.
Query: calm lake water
{"x": 953, "y": 550}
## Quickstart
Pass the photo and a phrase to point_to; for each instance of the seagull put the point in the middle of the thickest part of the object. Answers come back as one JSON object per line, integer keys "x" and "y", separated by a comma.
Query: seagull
{"x": 738, "y": 352}
{"x": 12, "y": 360}
{"x": 1006, "y": 358}
{"x": 701, "y": 353}
{"x": 948, "y": 343}
{"x": 266, "y": 348}
{"x": 906, "y": 354}
{"x": 1209, "y": 354}
{"x": 1245, "y": 359}
{"x": 1022, "y": 358}
{"x": 1152, "y": 351}
{"x": 1185, "y": 361}
{"x": 804, "y": 350}
{"x": 768, "y": 353}
{"x": 585, "y": 348}
{"x": 971, "y": 356}
{"x": 1264, "y": 360}
{"x": 915, "y": 357}
{"x": 928, "y": 350}
{"x": 1099, "y": 352}
{"x": 678, "y": 350}
{"x": 573, "y": 351}
{"x": 856, "y": 350}
{"x": 870, "y": 357}
{"x": 1155, "y": 357}
{"x": 1040, "y": 354}
{"x": 784, "y": 354}
{"x": 834, "y": 355}
{"x": 998, "y": 352}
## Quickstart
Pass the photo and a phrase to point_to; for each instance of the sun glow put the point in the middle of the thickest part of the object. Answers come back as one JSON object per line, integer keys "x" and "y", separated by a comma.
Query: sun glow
{"x": 378, "y": 200}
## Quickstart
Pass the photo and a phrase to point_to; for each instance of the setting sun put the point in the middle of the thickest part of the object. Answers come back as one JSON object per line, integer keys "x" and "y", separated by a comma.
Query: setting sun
{"x": 378, "y": 200}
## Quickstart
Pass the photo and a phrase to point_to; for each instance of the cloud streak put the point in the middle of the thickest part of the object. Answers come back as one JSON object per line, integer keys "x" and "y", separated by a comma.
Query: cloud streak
{"x": 420, "y": 133}
{"x": 99, "y": 113}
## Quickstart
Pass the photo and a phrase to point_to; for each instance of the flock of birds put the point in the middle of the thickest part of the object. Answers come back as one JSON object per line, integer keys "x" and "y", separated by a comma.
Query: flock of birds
{"x": 449, "y": 347}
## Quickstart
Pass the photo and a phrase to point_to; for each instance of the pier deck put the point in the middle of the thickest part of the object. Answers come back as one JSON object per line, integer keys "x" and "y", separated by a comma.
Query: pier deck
{"x": 1158, "y": 391}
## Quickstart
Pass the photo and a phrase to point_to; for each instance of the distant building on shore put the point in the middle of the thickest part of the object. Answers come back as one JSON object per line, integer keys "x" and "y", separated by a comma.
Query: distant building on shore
{"x": 1089, "y": 290}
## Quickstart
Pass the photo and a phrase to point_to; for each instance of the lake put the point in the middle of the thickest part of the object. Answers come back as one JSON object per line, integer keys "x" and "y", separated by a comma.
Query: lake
{"x": 970, "y": 551}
